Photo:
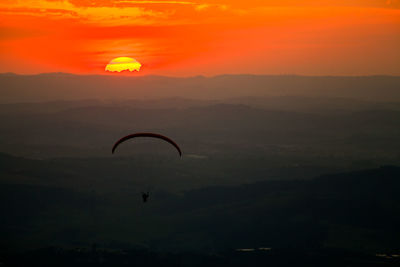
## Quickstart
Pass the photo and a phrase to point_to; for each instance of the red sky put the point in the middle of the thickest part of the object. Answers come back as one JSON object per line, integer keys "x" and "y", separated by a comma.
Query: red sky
{"x": 184, "y": 38}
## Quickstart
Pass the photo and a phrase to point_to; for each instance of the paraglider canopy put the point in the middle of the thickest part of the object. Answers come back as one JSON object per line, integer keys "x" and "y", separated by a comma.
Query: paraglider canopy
{"x": 153, "y": 135}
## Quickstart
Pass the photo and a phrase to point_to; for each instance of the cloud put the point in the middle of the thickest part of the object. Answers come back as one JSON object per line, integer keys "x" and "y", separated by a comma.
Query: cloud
{"x": 103, "y": 15}
{"x": 111, "y": 13}
{"x": 202, "y": 7}
{"x": 154, "y": 2}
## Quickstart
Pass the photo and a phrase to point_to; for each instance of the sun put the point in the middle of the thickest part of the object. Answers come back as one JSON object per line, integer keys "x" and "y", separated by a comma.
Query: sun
{"x": 123, "y": 64}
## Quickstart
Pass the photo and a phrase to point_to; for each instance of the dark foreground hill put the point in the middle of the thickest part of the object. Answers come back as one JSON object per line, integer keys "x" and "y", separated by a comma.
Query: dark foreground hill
{"x": 357, "y": 211}
{"x": 56, "y": 256}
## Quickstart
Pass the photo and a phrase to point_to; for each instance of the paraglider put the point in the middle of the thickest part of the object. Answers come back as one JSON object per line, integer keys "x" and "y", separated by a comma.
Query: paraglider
{"x": 145, "y": 196}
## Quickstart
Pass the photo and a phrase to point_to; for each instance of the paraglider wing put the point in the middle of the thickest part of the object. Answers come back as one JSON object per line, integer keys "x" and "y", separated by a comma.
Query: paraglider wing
{"x": 154, "y": 135}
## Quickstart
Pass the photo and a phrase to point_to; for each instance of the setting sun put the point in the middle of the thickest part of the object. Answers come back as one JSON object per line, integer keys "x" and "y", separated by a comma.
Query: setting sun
{"x": 123, "y": 64}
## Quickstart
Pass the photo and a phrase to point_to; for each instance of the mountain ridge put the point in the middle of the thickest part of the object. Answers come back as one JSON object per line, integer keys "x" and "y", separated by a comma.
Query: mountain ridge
{"x": 50, "y": 87}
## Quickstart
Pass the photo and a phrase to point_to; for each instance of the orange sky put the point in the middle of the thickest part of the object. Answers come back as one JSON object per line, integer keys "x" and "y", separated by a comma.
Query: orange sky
{"x": 210, "y": 37}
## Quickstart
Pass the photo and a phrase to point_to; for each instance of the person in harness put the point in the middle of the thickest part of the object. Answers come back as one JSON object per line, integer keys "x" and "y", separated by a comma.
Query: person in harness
{"x": 145, "y": 196}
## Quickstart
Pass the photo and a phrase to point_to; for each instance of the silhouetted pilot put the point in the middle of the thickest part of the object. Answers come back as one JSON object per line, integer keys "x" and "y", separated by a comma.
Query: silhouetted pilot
{"x": 145, "y": 196}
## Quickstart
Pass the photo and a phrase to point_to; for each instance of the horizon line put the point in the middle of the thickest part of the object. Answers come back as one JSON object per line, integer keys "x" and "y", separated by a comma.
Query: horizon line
{"x": 196, "y": 76}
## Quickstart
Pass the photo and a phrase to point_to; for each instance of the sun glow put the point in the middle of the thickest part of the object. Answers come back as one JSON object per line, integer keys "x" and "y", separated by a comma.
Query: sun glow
{"x": 122, "y": 64}
{"x": 190, "y": 38}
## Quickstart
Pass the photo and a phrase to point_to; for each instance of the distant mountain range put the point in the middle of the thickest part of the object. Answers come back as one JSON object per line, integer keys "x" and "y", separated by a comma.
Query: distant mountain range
{"x": 60, "y": 86}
